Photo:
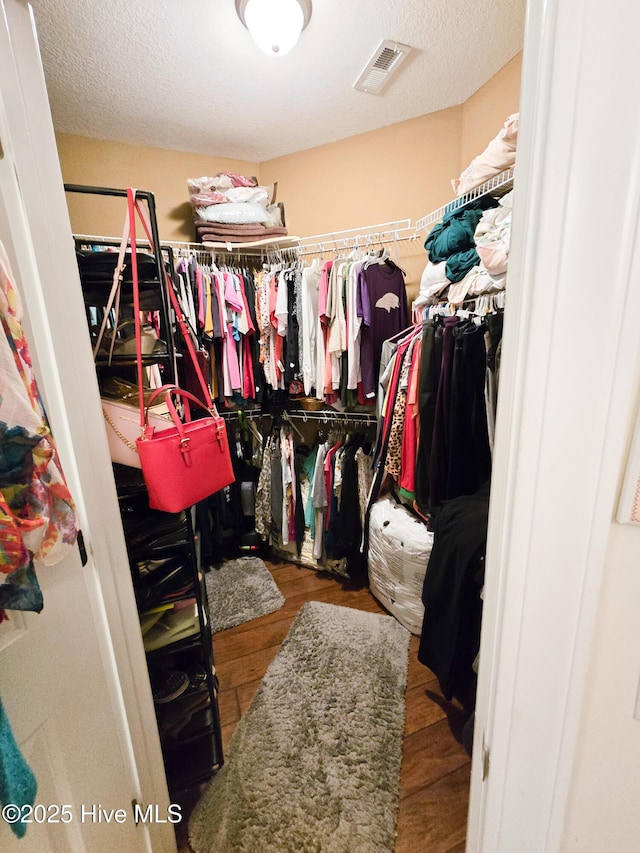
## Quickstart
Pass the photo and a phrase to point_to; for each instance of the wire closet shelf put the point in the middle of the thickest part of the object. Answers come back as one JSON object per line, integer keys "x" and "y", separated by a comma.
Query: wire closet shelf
{"x": 357, "y": 238}
{"x": 349, "y": 239}
{"x": 497, "y": 186}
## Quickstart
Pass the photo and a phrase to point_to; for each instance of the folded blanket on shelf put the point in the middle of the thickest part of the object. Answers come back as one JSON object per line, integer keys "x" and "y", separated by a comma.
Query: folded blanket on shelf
{"x": 215, "y": 236}
{"x": 225, "y": 228}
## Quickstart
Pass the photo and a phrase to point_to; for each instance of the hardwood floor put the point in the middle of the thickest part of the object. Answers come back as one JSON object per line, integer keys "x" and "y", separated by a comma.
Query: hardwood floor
{"x": 434, "y": 783}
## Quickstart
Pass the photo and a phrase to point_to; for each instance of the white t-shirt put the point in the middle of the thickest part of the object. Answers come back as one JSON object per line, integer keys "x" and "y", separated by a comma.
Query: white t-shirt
{"x": 310, "y": 282}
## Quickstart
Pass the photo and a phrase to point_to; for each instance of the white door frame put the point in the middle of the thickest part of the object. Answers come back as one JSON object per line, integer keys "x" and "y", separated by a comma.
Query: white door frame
{"x": 54, "y": 304}
{"x": 567, "y": 393}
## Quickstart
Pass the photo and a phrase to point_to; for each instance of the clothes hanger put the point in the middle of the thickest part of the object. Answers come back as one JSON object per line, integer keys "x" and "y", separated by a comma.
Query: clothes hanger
{"x": 286, "y": 418}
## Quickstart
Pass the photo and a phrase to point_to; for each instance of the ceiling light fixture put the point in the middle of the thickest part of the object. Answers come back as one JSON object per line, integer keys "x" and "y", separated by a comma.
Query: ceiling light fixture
{"x": 275, "y": 25}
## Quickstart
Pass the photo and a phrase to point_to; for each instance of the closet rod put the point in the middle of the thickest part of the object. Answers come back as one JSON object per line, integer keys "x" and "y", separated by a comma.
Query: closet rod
{"x": 328, "y": 416}
{"x": 324, "y": 415}
{"x": 377, "y": 239}
{"x": 350, "y": 237}
{"x": 479, "y": 306}
{"x": 257, "y": 245}
{"x": 499, "y": 185}
{"x": 396, "y": 225}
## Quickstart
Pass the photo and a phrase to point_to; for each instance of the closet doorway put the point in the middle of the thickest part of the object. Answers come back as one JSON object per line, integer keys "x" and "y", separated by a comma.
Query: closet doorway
{"x": 541, "y": 600}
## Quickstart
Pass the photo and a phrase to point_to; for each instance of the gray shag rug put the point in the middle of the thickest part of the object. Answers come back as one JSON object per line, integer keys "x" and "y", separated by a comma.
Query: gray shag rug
{"x": 241, "y": 590}
{"x": 314, "y": 764}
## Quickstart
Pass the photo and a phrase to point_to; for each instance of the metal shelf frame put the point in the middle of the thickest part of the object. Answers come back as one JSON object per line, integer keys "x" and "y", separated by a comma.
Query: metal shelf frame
{"x": 355, "y": 238}
{"x": 499, "y": 185}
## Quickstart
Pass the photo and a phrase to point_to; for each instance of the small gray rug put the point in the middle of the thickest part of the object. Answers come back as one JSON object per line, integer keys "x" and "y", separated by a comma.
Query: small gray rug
{"x": 241, "y": 590}
{"x": 314, "y": 763}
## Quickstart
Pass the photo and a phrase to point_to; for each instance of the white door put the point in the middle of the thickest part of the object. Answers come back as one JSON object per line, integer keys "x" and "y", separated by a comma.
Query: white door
{"x": 569, "y": 389}
{"x": 72, "y": 679}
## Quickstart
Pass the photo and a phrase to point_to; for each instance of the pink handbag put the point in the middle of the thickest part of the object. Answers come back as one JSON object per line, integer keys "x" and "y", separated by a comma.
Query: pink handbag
{"x": 122, "y": 418}
{"x": 188, "y": 461}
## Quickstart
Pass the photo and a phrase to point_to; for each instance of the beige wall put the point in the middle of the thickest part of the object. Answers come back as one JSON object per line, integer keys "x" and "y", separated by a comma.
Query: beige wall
{"x": 395, "y": 172}
{"x": 484, "y": 113}
{"x": 95, "y": 162}
{"x": 398, "y": 172}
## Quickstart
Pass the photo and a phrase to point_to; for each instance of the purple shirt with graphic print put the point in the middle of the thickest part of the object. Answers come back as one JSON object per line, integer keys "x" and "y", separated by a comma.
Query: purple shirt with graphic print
{"x": 381, "y": 301}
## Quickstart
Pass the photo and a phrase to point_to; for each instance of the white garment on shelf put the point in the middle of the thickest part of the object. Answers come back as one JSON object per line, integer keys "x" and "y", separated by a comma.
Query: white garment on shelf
{"x": 493, "y": 236}
{"x": 433, "y": 281}
{"x": 500, "y": 154}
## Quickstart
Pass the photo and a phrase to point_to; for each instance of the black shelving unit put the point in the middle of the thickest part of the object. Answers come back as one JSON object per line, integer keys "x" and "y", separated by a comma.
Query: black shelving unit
{"x": 189, "y": 723}
{"x": 163, "y": 548}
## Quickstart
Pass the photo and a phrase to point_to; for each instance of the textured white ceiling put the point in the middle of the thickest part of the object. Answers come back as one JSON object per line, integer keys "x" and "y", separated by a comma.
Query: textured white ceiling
{"x": 186, "y": 75}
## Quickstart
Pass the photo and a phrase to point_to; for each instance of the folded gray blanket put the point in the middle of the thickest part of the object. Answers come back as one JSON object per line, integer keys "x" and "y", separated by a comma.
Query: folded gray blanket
{"x": 223, "y": 228}
{"x": 215, "y": 236}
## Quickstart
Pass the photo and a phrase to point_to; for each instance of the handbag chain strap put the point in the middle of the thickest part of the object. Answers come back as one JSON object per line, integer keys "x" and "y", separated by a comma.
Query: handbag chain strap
{"x": 120, "y": 435}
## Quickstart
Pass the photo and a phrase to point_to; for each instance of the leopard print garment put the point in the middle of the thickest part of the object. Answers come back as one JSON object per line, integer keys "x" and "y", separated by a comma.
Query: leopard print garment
{"x": 263, "y": 492}
{"x": 393, "y": 463}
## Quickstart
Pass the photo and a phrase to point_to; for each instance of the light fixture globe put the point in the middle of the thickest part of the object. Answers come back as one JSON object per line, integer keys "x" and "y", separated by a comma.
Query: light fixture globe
{"x": 275, "y": 25}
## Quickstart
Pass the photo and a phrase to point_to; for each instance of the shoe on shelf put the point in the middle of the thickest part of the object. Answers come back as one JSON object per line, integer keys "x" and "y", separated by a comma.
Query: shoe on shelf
{"x": 174, "y": 626}
{"x": 197, "y": 679}
{"x": 168, "y": 685}
{"x": 148, "y": 620}
{"x": 178, "y": 714}
{"x": 162, "y": 582}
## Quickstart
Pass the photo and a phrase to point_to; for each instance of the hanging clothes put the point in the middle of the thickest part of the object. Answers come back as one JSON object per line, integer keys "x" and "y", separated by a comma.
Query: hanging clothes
{"x": 430, "y": 367}
{"x": 310, "y": 281}
{"x": 439, "y": 395}
{"x": 381, "y": 304}
{"x": 450, "y": 637}
{"x": 220, "y": 305}
{"x": 310, "y": 501}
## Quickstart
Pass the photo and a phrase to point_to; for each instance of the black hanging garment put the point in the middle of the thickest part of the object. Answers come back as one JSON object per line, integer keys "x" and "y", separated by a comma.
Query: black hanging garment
{"x": 349, "y": 526}
{"x": 469, "y": 459}
{"x": 430, "y": 364}
{"x": 450, "y": 637}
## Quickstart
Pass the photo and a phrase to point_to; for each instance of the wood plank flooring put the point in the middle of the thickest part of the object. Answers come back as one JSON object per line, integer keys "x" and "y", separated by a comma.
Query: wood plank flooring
{"x": 434, "y": 783}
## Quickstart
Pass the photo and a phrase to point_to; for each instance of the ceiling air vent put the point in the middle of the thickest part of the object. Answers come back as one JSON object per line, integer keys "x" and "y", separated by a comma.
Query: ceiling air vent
{"x": 382, "y": 65}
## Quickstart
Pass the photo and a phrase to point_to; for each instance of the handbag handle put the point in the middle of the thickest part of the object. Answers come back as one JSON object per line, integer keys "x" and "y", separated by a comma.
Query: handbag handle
{"x": 161, "y": 390}
{"x": 131, "y": 207}
{"x": 168, "y": 390}
{"x": 134, "y": 206}
{"x": 114, "y": 295}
